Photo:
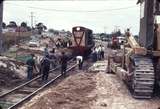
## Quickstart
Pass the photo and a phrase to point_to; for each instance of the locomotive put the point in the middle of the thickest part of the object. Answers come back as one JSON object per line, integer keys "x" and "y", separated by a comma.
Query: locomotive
{"x": 82, "y": 41}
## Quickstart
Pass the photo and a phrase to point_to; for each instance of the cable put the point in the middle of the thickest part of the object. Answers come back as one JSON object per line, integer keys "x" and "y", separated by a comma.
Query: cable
{"x": 104, "y": 10}
{"x": 57, "y": 10}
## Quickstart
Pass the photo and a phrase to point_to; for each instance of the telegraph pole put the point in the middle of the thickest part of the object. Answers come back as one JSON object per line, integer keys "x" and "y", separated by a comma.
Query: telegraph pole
{"x": 32, "y": 23}
{"x": 116, "y": 28}
{"x": 32, "y": 20}
{"x": 1, "y": 20}
{"x": 105, "y": 29}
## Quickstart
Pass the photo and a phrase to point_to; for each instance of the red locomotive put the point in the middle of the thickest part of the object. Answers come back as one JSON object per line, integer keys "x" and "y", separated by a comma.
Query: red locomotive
{"x": 82, "y": 40}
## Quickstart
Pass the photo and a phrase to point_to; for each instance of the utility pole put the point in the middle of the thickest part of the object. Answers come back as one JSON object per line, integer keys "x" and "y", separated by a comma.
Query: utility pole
{"x": 1, "y": 20}
{"x": 32, "y": 20}
{"x": 105, "y": 29}
{"x": 35, "y": 21}
{"x": 116, "y": 28}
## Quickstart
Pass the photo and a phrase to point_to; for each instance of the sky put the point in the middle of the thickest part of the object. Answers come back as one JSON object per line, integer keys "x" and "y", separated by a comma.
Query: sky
{"x": 100, "y": 16}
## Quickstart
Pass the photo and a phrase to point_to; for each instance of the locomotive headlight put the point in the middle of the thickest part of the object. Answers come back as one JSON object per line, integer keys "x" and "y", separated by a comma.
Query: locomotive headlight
{"x": 78, "y": 28}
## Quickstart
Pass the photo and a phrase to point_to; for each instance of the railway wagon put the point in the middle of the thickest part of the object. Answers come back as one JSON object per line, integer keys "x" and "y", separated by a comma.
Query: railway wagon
{"x": 82, "y": 40}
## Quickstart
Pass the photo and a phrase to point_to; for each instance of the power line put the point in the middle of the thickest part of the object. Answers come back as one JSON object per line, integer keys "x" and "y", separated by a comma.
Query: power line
{"x": 104, "y": 10}
{"x": 59, "y": 10}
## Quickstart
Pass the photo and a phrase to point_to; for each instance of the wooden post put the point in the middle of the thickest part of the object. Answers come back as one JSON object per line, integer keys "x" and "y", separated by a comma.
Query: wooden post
{"x": 1, "y": 20}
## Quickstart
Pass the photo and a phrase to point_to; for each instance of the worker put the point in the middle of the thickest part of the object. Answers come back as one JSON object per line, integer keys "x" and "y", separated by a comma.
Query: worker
{"x": 45, "y": 65}
{"x": 68, "y": 44}
{"x": 94, "y": 55}
{"x": 99, "y": 52}
{"x": 80, "y": 61}
{"x": 46, "y": 52}
{"x": 102, "y": 51}
{"x": 53, "y": 58}
{"x": 127, "y": 33}
{"x": 57, "y": 44}
{"x": 30, "y": 65}
{"x": 63, "y": 61}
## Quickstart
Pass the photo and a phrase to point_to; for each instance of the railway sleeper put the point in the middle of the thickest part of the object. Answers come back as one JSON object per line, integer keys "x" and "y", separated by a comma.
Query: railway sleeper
{"x": 5, "y": 104}
{"x": 24, "y": 91}
{"x": 33, "y": 86}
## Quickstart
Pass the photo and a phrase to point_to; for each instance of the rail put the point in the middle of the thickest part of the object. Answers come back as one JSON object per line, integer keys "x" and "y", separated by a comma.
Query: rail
{"x": 16, "y": 88}
{"x": 44, "y": 86}
{"x": 37, "y": 89}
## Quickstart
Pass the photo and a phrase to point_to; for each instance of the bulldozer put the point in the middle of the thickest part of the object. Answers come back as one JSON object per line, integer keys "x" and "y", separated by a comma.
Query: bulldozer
{"x": 139, "y": 65}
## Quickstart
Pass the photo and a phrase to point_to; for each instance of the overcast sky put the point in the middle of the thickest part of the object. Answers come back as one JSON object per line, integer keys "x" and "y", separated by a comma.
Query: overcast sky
{"x": 99, "y": 16}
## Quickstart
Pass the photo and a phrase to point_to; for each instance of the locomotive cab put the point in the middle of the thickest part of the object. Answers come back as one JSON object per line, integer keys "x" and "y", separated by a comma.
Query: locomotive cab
{"x": 82, "y": 40}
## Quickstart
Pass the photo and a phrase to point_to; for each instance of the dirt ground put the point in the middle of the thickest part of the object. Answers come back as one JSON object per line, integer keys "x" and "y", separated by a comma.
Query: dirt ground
{"x": 72, "y": 93}
{"x": 11, "y": 72}
{"x": 90, "y": 91}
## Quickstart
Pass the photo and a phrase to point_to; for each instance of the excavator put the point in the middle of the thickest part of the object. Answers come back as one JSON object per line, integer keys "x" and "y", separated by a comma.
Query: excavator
{"x": 139, "y": 67}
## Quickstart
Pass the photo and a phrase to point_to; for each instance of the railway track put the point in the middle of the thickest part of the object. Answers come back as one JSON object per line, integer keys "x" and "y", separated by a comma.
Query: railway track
{"x": 22, "y": 93}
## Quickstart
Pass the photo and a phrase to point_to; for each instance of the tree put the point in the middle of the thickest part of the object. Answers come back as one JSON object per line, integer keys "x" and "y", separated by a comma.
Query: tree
{"x": 41, "y": 27}
{"x": 3, "y": 25}
{"x": 12, "y": 24}
{"x": 51, "y": 30}
{"x": 63, "y": 30}
{"x": 56, "y": 32}
{"x": 29, "y": 28}
{"x": 44, "y": 27}
{"x": 24, "y": 24}
{"x": 69, "y": 33}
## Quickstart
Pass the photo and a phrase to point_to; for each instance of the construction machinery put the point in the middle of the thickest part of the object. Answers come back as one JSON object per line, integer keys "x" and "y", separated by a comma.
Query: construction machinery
{"x": 139, "y": 62}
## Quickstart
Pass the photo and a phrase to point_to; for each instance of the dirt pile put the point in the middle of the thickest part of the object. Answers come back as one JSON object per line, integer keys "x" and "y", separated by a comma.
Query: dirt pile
{"x": 11, "y": 71}
{"x": 72, "y": 93}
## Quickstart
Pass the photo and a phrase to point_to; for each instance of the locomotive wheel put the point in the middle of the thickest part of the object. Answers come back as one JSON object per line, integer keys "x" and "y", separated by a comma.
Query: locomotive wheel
{"x": 143, "y": 78}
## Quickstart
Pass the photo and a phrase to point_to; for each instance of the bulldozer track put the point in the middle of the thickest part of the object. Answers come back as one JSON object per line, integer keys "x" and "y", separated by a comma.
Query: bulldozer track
{"x": 22, "y": 93}
{"x": 143, "y": 78}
